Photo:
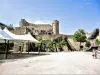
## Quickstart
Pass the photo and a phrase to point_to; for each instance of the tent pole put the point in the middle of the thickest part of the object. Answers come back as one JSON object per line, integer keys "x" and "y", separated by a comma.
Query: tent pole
{"x": 28, "y": 47}
{"x": 32, "y": 46}
{"x": 5, "y": 50}
{"x": 7, "y": 46}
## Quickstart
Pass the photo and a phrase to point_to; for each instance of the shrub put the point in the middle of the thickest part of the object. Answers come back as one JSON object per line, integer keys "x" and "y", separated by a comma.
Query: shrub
{"x": 88, "y": 44}
{"x": 98, "y": 41}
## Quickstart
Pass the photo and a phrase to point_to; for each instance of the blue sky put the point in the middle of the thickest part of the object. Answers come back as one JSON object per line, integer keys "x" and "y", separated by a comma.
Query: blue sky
{"x": 72, "y": 14}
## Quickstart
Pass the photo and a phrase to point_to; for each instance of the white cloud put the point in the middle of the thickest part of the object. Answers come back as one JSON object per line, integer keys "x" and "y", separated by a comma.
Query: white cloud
{"x": 16, "y": 25}
{"x": 37, "y": 21}
{"x": 41, "y": 22}
{"x": 34, "y": 22}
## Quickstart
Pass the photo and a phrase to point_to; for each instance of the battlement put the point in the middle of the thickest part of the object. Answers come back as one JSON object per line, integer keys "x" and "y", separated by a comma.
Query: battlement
{"x": 38, "y": 28}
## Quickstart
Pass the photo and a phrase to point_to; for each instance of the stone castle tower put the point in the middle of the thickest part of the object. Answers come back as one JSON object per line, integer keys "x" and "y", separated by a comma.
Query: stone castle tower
{"x": 55, "y": 25}
{"x": 23, "y": 22}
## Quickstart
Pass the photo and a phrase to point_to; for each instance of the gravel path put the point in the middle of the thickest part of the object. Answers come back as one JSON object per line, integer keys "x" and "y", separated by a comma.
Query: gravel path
{"x": 56, "y": 63}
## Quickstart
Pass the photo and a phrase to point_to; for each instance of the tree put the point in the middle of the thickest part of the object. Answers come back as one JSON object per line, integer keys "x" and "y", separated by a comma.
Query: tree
{"x": 10, "y": 26}
{"x": 59, "y": 45}
{"x": 98, "y": 41}
{"x": 63, "y": 42}
{"x": 60, "y": 42}
{"x": 49, "y": 45}
{"x": 88, "y": 44}
{"x": 37, "y": 44}
{"x": 42, "y": 44}
{"x": 40, "y": 39}
{"x": 79, "y": 36}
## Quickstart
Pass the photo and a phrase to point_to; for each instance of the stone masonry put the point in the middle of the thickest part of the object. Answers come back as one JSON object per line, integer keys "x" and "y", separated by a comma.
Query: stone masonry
{"x": 44, "y": 31}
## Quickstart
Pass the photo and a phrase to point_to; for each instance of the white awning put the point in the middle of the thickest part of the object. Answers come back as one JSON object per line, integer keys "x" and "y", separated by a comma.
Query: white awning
{"x": 4, "y": 35}
{"x": 27, "y": 37}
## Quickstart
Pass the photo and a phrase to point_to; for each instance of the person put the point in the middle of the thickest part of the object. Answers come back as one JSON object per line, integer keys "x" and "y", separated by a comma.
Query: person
{"x": 95, "y": 53}
{"x": 95, "y": 49}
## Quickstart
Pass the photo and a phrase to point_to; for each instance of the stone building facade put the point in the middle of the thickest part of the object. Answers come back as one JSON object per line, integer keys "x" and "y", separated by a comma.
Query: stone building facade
{"x": 37, "y": 29}
{"x": 44, "y": 31}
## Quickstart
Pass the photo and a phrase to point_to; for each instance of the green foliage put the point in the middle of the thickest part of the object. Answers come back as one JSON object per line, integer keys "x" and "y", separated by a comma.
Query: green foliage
{"x": 10, "y": 26}
{"x": 49, "y": 44}
{"x": 41, "y": 43}
{"x": 63, "y": 42}
{"x": 40, "y": 39}
{"x": 59, "y": 39}
{"x": 98, "y": 41}
{"x": 79, "y": 36}
{"x": 88, "y": 44}
{"x": 59, "y": 45}
{"x": 37, "y": 44}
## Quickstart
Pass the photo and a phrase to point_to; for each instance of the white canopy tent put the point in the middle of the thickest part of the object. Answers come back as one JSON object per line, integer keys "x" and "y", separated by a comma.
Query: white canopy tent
{"x": 27, "y": 37}
{"x": 3, "y": 38}
{"x": 4, "y": 35}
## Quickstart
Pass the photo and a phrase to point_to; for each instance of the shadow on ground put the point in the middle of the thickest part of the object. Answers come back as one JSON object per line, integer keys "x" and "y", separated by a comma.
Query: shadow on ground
{"x": 91, "y": 53}
{"x": 14, "y": 56}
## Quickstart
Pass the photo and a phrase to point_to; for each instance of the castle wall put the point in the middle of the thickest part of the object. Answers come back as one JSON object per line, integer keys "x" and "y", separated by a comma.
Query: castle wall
{"x": 40, "y": 29}
{"x": 23, "y": 44}
{"x": 48, "y": 37}
{"x": 76, "y": 44}
{"x": 19, "y": 30}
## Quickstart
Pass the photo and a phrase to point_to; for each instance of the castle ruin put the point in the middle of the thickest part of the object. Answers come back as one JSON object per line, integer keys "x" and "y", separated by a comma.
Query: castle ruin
{"x": 37, "y": 29}
{"x": 43, "y": 31}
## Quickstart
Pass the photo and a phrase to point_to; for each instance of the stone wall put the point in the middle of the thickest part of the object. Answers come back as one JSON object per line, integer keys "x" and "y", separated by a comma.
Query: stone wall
{"x": 22, "y": 44}
{"x": 48, "y": 37}
{"x": 55, "y": 25}
{"x": 19, "y": 30}
{"x": 23, "y": 22}
{"x": 76, "y": 44}
{"x": 38, "y": 28}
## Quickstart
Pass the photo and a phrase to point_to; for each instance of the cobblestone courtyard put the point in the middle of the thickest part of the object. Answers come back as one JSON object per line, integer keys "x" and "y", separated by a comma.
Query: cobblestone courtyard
{"x": 55, "y": 63}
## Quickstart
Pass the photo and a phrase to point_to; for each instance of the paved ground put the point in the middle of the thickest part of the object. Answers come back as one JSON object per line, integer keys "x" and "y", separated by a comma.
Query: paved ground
{"x": 56, "y": 63}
